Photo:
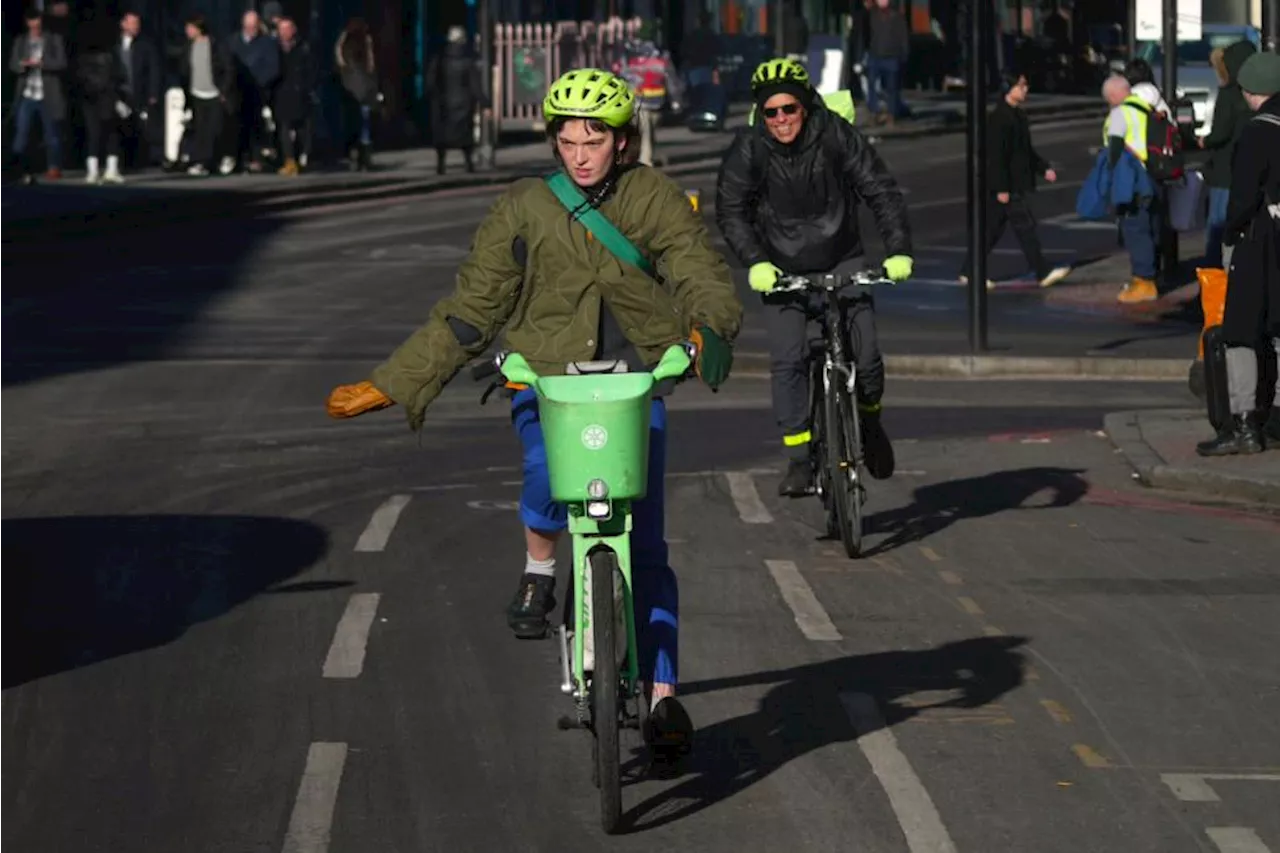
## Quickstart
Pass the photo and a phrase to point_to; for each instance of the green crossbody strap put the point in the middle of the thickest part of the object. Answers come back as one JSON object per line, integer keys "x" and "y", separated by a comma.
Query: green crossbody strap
{"x": 596, "y": 222}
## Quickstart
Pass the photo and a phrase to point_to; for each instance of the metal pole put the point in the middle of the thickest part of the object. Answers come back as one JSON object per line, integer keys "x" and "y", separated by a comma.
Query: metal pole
{"x": 1132, "y": 40}
{"x": 979, "y": 26}
{"x": 778, "y": 42}
{"x": 1271, "y": 25}
{"x": 1169, "y": 237}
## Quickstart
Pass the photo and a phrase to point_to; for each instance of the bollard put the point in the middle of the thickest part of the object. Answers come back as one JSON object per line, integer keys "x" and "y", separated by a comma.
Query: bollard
{"x": 1213, "y": 299}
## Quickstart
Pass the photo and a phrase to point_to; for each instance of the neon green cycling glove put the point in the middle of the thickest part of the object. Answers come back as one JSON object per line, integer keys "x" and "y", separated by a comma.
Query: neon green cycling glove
{"x": 763, "y": 277}
{"x": 899, "y": 267}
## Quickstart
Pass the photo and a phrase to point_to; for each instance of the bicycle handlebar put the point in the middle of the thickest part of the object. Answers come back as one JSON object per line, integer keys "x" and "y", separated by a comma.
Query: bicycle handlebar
{"x": 676, "y": 361}
{"x": 829, "y": 281}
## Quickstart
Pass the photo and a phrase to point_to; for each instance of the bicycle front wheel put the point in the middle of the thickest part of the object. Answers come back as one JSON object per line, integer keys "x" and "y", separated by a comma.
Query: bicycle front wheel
{"x": 606, "y": 688}
{"x": 844, "y": 450}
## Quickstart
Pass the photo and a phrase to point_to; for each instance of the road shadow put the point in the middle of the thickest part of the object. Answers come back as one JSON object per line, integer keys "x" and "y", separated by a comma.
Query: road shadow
{"x": 100, "y": 276}
{"x": 803, "y": 712}
{"x": 83, "y": 589}
{"x": 937, "y": 506}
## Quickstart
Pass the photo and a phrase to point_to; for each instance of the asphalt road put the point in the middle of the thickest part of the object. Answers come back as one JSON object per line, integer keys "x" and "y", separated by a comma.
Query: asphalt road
{"x": 235, "y": 625}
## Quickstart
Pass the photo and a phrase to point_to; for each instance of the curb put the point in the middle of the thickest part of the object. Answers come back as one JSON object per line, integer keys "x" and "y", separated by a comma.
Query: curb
{"x": 199, "y": 207}
{"x": 1005, "y": 367}
{"x": 1125, "y": 432}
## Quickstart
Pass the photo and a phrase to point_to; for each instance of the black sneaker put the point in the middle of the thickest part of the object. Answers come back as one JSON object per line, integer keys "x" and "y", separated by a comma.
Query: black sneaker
{"x": 668, "y": 732}
{"x": 878, "y": 450}
{"x": 798, "y": 481}
{"x": 535, "y": 598}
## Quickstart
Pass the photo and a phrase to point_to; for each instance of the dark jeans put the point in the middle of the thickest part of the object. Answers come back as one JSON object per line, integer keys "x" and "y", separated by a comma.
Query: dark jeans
{"x": 884, "y": 79}
{"x": 787, "y": 321}
{"x": 27, "y": 112}
{"x": 1018, "y": 214}
{"x": 295, "y": 137}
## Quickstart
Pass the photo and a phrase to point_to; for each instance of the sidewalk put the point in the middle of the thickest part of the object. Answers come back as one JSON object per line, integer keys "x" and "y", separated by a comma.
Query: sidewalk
{"x": 1160, "y": 445}
{"x": 68, "y": 207}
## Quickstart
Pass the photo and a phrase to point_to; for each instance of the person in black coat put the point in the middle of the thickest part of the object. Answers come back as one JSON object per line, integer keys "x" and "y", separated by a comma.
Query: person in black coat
{"x": 293, "y": 95}
{"x": 141, "y": 93}
{"x": 1251, "y": 322}
{"x": 1013, "y": 164}
{"x": 354, "y": 57}
{"x": 456, "y": 94}
{"x": 1230, "y": 115}
{"x": 101, "y": 75}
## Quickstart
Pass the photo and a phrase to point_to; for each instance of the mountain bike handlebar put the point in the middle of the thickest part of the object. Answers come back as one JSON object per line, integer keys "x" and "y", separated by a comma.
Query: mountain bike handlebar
{"x": 829, "y": 281}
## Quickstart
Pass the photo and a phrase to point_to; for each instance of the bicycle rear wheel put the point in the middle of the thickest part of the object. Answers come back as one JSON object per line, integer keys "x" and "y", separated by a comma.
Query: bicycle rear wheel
{"x": 606, "y": 688}
{"x": 844, "y": 451}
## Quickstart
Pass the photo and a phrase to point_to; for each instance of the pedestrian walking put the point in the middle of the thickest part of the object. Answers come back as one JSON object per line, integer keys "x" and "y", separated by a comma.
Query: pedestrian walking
{"x": 1013, "y": 165}
{"x": 102, "y": 79}
{"x": 456, "y": 95}
{"x": 1251, "y": 322}
{"x": 292, "y": 108}
{"x": 1230, "y": 117}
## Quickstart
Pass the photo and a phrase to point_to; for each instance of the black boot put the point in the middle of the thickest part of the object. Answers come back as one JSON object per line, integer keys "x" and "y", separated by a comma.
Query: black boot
{"x": 669, "y": 731}
{"x": 1239, "y": 435}
{"x": 877, "y": 448}
{"x": 527, "y": 613}
{"x": 798, "y": 481}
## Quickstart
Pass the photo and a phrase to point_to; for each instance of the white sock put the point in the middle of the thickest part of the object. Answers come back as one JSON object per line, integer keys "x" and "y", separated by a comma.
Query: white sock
{"x": 546, "y": 568}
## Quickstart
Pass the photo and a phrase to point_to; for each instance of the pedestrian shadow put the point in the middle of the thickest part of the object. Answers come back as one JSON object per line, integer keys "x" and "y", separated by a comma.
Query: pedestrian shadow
{"x": 803, "y": 712}
{"x": 83, "y": 589}
{"x": 937, "y": 506}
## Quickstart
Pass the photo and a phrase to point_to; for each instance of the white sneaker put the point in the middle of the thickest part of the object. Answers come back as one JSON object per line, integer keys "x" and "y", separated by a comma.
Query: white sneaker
{"x": 198, "y": 170}
{"x": 1055, "y": 275}
{"x": 112, "y": 175}
{"x": 991, "y": 285}
{"x": 228, "y": 165}
{"x": 91, "y": 170}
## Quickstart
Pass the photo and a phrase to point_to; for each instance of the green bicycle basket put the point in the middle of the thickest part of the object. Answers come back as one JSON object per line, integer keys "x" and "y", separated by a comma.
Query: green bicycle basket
{"x": 596, "y": 427}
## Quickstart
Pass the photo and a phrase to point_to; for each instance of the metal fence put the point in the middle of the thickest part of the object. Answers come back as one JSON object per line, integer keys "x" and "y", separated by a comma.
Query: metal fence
{"x": 528, "y": 57}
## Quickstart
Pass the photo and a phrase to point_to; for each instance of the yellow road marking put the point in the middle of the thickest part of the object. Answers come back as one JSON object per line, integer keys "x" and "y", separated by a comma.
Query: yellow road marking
{"x": 930, "y": 554}
{"x": 1088, "y": 757}
{"x": 950, "y": 577}
{"x": 970, "y": 606}
{"x": 992, "y": 631}
{"x": 1056, "y": 710}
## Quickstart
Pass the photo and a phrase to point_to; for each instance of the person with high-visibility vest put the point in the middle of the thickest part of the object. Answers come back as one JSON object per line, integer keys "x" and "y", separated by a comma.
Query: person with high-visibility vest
{"x": 1125, "y": 131}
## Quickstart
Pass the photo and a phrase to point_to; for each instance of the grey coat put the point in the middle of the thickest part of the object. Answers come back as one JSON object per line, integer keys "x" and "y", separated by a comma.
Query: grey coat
{"x": 53, "y": 66}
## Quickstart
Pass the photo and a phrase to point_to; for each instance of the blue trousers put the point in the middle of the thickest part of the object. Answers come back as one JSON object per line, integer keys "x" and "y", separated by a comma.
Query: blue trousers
{"x": 656, "y": 595}
{"x": 1141, "y": 230}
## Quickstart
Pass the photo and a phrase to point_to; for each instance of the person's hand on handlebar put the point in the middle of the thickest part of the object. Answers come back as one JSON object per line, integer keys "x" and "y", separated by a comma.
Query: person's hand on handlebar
{"x": 898, "y": 268}
{"x": 763, "y": 277}
{"x": 347, "y": 401}
{"x": 715, "y": 356}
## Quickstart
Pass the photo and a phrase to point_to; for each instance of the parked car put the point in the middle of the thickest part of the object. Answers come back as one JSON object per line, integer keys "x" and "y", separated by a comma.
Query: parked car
{"x": 1197, "y": 81}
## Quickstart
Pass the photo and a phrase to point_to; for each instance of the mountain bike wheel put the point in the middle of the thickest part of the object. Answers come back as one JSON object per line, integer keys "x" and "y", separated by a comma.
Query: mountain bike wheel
{"x": 843, "y": 443}
{"x": 606, "y": 689}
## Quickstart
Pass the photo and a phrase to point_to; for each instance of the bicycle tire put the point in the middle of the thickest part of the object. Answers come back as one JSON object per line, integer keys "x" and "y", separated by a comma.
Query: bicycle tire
{"x": 843, "y": 453}
{"x": 817, "y": 446}
{"x": 606, "y": 690}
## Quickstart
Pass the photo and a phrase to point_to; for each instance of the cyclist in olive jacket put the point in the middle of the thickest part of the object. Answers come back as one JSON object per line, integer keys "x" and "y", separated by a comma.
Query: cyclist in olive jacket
{"x": 787, "y": 203}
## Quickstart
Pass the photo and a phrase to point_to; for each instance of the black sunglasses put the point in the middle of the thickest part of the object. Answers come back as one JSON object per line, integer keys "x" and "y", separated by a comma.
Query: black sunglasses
{"x": 786, "y": 109}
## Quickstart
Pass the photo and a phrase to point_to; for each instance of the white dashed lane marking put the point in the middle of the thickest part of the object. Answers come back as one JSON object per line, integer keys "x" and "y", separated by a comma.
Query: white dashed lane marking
{"x": 351, "y": 639}
{"x": 312, "y": 817}
{"x": 742, "y": 488}
{"x": 811, "y": 618}
{"x": 378, "y": 531}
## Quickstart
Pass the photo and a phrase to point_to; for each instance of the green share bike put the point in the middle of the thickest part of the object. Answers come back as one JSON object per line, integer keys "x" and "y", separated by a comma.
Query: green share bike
{"x": 595, "y": 424}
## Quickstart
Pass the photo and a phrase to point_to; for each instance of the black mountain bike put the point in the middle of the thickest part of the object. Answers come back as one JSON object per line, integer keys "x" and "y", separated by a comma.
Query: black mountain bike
{"x": 836, "y": 443}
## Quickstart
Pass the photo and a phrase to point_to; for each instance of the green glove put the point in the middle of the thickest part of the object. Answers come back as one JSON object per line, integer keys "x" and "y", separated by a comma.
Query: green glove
{"x": 763, "y": 277}
{"x": 715, "y": 356}
{"x": 899, "y": 267}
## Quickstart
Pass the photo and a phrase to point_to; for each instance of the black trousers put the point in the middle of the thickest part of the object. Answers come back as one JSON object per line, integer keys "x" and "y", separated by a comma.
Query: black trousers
{"x": 1018, "y": 214}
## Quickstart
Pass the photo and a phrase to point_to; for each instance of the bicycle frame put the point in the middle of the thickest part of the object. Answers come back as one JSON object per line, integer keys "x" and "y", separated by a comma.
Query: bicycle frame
{"x": 598, "y": 521}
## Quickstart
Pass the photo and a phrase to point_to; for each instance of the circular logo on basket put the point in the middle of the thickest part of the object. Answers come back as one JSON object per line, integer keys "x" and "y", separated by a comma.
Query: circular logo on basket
{"x": 595, "y": 437}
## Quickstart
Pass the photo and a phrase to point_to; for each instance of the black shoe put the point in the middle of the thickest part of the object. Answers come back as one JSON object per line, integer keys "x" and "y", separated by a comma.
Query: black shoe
{"x": 798, "y": 481}
{"x": 878, "y": 450}
{"x": 1270, "y": 428}
{"x": 527, "y": 614}
{"x": 1240, "y": 435}
{"x": 669, "y": 731}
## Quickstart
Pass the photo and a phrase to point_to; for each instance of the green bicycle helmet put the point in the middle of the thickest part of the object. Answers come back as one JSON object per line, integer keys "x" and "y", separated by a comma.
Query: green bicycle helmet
{"x": 592, "y": 94}
{"x": 775, "y": 71}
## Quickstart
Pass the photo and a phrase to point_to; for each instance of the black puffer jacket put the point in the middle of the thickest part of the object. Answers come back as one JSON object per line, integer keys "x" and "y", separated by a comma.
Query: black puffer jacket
{"x": 797, "y": 205}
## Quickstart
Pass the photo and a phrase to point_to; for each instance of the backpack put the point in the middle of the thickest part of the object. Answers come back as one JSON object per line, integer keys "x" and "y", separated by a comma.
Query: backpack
{"x": 1165, "y": 159}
